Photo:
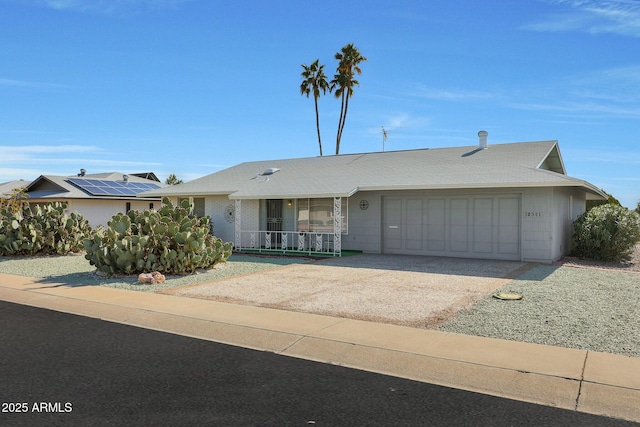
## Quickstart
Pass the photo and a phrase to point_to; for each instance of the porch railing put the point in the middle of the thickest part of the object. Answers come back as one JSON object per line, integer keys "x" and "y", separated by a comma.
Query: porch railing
{"x": 307, "y": 242}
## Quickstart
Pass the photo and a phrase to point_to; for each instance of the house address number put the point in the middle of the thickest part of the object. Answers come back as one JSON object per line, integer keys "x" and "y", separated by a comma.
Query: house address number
{"x": 532, "y": 214}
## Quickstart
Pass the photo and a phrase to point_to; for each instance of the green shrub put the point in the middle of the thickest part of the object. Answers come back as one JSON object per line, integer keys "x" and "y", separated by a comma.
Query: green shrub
{"x": 41, "y": 230}
{"x": 170, "y": 240}
{"x": 607, "y": 232}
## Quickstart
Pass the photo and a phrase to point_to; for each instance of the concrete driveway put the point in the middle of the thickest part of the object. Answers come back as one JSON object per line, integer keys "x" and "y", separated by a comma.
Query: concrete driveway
{"x": 415, "y": 291}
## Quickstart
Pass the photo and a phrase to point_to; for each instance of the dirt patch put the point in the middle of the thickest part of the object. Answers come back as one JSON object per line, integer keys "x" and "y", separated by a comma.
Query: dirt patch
{"x": 632, "y": 264}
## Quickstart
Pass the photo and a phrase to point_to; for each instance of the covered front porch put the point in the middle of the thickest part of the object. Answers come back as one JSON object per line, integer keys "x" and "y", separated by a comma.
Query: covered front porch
{"x": 304, "y": 226}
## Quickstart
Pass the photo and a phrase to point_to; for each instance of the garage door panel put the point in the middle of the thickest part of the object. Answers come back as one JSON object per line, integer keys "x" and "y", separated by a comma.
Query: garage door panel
{"x": 436, "y": 224}
{"x": 459, "y": 225}
{"x": 509, "y": 225}
{"x": 483, "y": 225}
{"x": 392, "y": 231}
{"x": 414, "y": 239}
{"x": 483, "y": 239}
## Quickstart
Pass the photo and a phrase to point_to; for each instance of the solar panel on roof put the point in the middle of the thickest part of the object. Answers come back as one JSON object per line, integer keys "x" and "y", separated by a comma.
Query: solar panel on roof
{"x": 95, "y": 190}
{"x": 100, "y": 187}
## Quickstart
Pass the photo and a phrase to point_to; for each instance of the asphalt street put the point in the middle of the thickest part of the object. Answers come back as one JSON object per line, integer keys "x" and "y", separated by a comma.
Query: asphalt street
{"x": 63, "y": 369}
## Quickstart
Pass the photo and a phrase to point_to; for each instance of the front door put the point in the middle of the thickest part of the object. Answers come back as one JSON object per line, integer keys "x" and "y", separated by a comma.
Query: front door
{"x": 274, "y": 219}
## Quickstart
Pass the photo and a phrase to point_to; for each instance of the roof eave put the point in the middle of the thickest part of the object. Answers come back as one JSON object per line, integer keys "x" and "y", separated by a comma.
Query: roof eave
{"x": 508, "y": 185}
{"x": 60, "y": 196}
{"x": 183, "y": 194}
{"x": 293, "y": 195}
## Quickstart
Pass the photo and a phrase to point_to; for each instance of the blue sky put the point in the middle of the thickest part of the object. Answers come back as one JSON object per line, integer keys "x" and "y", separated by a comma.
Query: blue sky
{"x": 193, "y": 86}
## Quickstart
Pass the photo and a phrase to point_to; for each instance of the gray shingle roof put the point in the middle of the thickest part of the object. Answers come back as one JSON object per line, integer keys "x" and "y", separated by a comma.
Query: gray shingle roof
{"x": 498, "y": 166}
{"x": 8, "y": 187}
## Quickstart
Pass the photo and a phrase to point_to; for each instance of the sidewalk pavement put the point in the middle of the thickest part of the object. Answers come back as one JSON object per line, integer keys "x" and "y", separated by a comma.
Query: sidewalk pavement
{"x": 586, "y": 381}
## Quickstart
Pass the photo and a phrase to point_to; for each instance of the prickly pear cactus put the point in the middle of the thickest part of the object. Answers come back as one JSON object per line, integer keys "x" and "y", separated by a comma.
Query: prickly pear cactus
{"x": 43, "y": 230}
{"x": 170, "y": 240}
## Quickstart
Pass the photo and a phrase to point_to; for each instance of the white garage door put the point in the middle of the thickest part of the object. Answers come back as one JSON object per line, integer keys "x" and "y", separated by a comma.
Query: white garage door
{"x": 486, "y": 226}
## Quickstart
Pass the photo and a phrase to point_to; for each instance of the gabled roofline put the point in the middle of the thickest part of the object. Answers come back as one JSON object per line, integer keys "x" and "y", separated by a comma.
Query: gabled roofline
{"x": 44, "y": 178}
{"x": 555, "y": 147}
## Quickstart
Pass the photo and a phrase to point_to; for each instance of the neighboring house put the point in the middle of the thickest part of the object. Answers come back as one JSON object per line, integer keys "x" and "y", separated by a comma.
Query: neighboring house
{"x": 7, "y": 187}
{"x": 96, "y": 196}
{"x": 504, "y": 201}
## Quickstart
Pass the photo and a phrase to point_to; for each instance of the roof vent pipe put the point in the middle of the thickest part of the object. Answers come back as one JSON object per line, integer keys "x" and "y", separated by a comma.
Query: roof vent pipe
{"x": 82, "y": 172}
{"x": 125, "y": 178}
{"x": 483, "y": 138}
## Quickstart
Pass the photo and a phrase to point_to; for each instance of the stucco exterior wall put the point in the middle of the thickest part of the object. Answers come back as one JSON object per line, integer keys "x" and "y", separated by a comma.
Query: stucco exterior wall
{"x": 537, "y": 224}
{"x": 568, "y": 205}
{"x": 547, "y": 222}
{"x": 365, "y": 225}
{"x": 99, "y": 212}
{"x": 223, "y": 225}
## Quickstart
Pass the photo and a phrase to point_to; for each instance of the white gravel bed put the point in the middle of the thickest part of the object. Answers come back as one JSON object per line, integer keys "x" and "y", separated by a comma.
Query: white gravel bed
{"x": 581, "y": 308}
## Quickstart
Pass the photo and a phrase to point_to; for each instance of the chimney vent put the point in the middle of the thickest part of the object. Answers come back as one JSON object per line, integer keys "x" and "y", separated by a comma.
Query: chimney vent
{"x": 125, "y": 178}
{"x": 483, "y": 138}
{"x": 82, "y": 172}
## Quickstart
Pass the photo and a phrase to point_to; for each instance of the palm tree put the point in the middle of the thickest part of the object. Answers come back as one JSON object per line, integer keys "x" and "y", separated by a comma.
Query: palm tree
{"x": 349, "y": 59}
{"x": 314, "y": 79}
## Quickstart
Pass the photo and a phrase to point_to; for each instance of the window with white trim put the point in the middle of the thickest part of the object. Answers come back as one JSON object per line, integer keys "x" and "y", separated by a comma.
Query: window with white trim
{"x": 316, "y": 215}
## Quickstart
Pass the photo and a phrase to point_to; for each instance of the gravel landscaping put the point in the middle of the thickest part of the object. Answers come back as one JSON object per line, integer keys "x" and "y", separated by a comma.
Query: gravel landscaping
{"x": 581, "y": 308}
{"x": 573, "y": 303}
{"x": 75, "y": 270}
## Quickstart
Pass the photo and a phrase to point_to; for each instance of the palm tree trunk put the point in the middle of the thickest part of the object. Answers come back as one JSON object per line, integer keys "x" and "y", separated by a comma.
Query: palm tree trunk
{"x": 318, "y": 125}
{"x": 344, "y": 116}
{"x": 340, "y": 124}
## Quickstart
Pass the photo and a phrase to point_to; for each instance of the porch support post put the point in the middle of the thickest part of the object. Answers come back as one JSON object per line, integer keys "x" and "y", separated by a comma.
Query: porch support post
{"x": 337, "y": 225}
{"x": 238, "y": 223}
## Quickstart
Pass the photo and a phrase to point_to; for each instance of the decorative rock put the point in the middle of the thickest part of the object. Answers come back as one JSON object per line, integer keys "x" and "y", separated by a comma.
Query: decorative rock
{"x": 153, "y": 278}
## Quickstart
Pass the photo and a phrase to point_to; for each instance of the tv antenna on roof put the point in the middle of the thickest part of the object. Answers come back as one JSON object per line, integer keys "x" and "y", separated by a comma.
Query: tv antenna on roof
{"x": 385, "y": 135}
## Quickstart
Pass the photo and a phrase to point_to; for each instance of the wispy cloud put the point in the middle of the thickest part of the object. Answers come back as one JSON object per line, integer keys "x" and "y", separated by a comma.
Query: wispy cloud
{"x": 33, "y": 152}
{"x": 453, "y": 95}
{"x": 31, "y": 84}
{"x": 30, "y": 161}
{"x": 400, "y": 125}
{"x": 580, "y": 109}
{"x": 14, "y": 174}
{"x": 405, "y": 120}
{"x": 593, "y": 16}
{"x": 613, "y": 92}
{"x": 110, "y": 7}
{"x": 59, "y": 156}
{"x": 604, "y": 155}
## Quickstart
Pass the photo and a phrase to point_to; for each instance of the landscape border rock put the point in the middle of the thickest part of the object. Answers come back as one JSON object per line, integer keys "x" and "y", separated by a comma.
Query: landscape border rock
{"x": 153, "y": 278}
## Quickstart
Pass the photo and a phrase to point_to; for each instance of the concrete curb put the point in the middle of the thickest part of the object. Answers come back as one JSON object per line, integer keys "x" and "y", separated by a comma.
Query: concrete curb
{"x": 597, "y": 383}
